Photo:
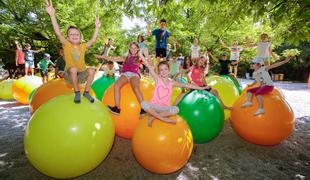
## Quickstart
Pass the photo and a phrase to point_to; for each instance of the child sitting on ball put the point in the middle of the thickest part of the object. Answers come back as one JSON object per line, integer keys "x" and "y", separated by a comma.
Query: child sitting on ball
{"x": 262, "y": 77}
{"x": 159, "y": 107}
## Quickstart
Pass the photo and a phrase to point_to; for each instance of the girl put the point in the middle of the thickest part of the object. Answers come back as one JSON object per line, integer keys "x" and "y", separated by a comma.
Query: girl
{"x": 129, "y": 73}
{"x": 74, "y": 53}
{"x": 142, "y": 45}
{"x": 234, "y": 56}
{"x": 195, "y": 50}
{"x": 197, "y": 76}
{"x": 184, "y": 69}
{"x": 262, "y": 77}
{"x": 159, "y": 107}
{"x": 264, "y": 50}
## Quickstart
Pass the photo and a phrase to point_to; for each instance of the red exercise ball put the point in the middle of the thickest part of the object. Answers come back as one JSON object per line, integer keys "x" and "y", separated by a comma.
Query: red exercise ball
{"x": 270, "y": 128}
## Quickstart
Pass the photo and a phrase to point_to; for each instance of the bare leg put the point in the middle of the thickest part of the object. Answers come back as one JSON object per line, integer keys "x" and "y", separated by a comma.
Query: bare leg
{"x": 236, "y": 70}
{"x": 117, "y": 90}
{"x": 178, "y": 99}
{"x": 260, "y": 106}
{"x": 135, "y": 85}
{"x": 158, "y": 116}
{"x": 26, "y": 71}
{"x": 32, "y": 71}
{"x": 249, "y": 100}
{"x": 90, "y": 78}
{"x": 231, "y": 69}
{"x": 73, "y": 74}
{"x": 215, "y": 93}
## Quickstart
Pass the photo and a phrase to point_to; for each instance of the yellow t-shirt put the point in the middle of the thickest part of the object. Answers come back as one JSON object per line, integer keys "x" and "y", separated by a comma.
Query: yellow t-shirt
{"x": 74, "y": 56}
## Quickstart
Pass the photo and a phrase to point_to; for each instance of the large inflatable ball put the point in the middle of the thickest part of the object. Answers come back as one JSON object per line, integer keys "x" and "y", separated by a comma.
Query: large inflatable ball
{"x": 126, "y": 121}
{"x": 23, "y": 87}
{"x": 266, "y": 129}
{"x": 163, "y": 148}
{"x": 6, "y": 89}
{"x": 203, "y": 113}
{"x": 49, "y": 90}
{"x": 65, "y": 140}
{"x": 237, "y": 85}
{"x": 31, "y": 94}
{"x": 100, "y": 85}
{"x": 226, "y": 90}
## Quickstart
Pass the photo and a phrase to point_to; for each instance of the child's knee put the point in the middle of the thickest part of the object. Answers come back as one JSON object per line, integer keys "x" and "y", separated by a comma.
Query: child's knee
{"x": 72, "y": 70}
{"x": 174, "y": 110}
{"x": 91, "y": 71}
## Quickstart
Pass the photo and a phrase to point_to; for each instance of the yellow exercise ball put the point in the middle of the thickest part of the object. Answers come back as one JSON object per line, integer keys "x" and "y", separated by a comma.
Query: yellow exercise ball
{"x": 6, "y": 89}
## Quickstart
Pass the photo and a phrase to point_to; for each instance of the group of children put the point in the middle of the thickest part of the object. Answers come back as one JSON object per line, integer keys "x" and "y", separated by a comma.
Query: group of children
{"x": 165, "y": 73}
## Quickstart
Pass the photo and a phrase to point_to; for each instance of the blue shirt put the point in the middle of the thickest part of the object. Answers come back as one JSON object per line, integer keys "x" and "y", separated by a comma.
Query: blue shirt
{"x": 161, "y": 38}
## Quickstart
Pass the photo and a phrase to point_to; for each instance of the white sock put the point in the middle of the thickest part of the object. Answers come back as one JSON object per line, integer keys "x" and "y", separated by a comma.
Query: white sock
{"x": 259, "y": 111}
{"x": 247, "y": 104}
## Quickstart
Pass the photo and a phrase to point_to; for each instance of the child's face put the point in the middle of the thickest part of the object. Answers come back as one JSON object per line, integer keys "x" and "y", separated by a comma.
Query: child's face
{"x": 196, "y": 41}
{"x": 188, "y": 61}
{"x": 61, "y": 52}
{"x": 46, "y": 58}
{"x": 235, "y": 43}
{"x": 174, "y": 58}
{"x": 164, "y": 70}
{"x": 111, "y": 41}
{"x": 111, "y": 66}
{"x": 201, "y": 62}
{"x": 162, "y": 25}
{"x": 264, "y": 38}
{"x": 255, "y": 66}
{"x": 27, "y": 47}
{"x": 74, "y": 36}
{"x": 139, "y": 38}
{"x": 134, "y": 49}
{"x": 224, "y": 57}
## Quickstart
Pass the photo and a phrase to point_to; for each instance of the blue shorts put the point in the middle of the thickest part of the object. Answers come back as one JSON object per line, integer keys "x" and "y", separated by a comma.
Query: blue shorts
{"x": 29, "y": 64}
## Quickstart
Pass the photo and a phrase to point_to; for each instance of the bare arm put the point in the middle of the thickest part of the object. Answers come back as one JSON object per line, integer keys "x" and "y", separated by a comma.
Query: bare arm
{"x": 37, "y": 51}
{"x": 149, "y": 66}
{"x": 278, "y": 63}
{"x": 95, "y": 35}
{"x": 272, "y": 53}
{"x": 189, "y": 86}
{"x": 149, "y": 32}
{"x": 223, "y": 44}
{"x": 51, "y": 11}
{"x": 110, "y": 58}
{"x": 211, "y": 55}
{"x": 174, "y": 48}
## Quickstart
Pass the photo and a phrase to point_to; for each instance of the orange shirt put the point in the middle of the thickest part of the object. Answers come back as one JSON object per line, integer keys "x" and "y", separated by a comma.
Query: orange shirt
{"x": 74, "y": 56}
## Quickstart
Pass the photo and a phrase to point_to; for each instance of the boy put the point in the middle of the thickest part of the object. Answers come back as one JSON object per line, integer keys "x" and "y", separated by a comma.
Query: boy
{"x": 43, "y": 66}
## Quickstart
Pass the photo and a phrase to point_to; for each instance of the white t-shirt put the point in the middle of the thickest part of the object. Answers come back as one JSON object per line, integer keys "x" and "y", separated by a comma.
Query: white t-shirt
{"x": 235, "y": 52}
{"x": 108, "y": 72}
{"x": 195, "y": 51}
{"x": 262, "y": 77}
{"x": 263, "y": 49}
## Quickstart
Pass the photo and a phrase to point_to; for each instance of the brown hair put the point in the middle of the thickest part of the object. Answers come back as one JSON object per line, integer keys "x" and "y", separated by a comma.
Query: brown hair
{"x": 163, "y": 63}
{"x": 129, "y": 54}
{"x": 74, "y": 27}
{"x": 197, "y": 63}
{"x": 184, "y": 62}
{"x": 142, "y": 38}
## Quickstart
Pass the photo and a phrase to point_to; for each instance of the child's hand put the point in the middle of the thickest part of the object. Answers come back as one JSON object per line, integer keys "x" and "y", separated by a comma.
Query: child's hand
{"x": 49, "y": 7}
{"x": 206, "y": 87}
{"x": 42, "y": 49}
{"x": 97, "y": 22}
{"x": 16, "y": 42}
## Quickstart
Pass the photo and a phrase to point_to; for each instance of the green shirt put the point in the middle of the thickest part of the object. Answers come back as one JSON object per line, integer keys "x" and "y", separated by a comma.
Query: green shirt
{"x": 43, "y": 64}
{"x": 60, "y": 63}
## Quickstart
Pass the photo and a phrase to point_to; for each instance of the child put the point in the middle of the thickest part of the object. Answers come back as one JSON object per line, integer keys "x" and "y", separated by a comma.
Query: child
{"x": 107, "y": 47}
{"x": 29, "y": 58}
{"x": 174, "y": 67}
{"x": 195, "y": 51}
{"x": 264, "y": 50}
{"x": 109, "y": 70}
{"x": 43, "y": 66}
{"x": 197, "y": 76}
{"x": 143, "y": 48}
{"x": 159, "y": 107}
{"x": 19, "y": 60}
{"x": 74, "y": 52}
{"x": 224, "y": 66}
{"x": 129, "y": 73}
{"x": 234, "y": 56}
{"x": 184, "y": 69}
{"x": 170, "y": 51}
{"x": 262, "y": 77}
{"x": 60, "y": 65}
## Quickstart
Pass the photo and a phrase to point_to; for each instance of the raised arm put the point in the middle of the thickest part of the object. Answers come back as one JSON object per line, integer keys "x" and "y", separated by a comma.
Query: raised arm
{"x": 278, "y": 63}
{"x": 174, "y": 48}
{"x": 149, "y": 66}
{"x": 211, "y": 55}
{"x": 110, "y": 58}
{"x": 51, "y": 11}
{"x": 189, "y": 86}
{"x": 37, "y": 51}
{"x": 95, "y": 35}
{"x": 148, "y": 29}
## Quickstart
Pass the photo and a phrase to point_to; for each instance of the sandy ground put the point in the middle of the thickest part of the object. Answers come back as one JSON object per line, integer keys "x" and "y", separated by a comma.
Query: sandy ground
{"x": 226, "y": 157}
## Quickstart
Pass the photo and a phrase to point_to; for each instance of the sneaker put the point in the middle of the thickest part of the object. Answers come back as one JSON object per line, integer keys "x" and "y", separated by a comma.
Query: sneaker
{"x": 246, "y": 104}
{"x": 259, "y": 112}
{"x": 142, "y": 112}
{"x": 77, "y": 97}
{"x": 114, "y": 110}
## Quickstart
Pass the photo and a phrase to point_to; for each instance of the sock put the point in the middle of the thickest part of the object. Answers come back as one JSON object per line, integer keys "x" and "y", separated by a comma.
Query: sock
{"x": 77, "y": 97}
{"x": 88, "y": 96}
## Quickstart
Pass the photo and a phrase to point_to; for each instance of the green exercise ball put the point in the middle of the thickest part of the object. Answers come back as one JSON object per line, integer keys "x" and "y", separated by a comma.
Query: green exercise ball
{"x": 31, "y": 94}
{"x": 101, "y": 85}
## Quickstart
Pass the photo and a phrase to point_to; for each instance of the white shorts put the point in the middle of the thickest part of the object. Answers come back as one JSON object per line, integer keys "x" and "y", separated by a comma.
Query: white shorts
{"x": 158, "y": 108}
{"x": 129, "y": 75}
{"x": 29, "y": 64}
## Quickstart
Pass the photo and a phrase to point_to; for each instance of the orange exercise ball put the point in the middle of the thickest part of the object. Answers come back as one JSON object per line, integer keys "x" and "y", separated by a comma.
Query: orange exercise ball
{"x": 23, "y": 87}
{"x": 127, "y": 120}
{"x": 163, "y": 148}
{"x": 270, "y": 128}
{"x": 275, "y": 91}
{"x": 49, "y": 90}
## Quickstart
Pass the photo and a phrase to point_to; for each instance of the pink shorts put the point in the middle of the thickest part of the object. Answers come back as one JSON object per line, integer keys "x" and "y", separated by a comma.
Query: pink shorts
{"x": 260, "y": 90}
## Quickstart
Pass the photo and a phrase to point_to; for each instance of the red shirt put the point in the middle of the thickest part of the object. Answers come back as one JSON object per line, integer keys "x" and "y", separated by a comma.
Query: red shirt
{"x": 197, "y": 75}
{"x": 20, "y": 57}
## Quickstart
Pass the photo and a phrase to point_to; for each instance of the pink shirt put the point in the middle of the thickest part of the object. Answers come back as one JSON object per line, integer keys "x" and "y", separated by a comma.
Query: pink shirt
{"x": 162, "y": 93}
{"x": 197, "y": 75}
{"x": 20, "y": 57}
{"x": 131, "y": 66}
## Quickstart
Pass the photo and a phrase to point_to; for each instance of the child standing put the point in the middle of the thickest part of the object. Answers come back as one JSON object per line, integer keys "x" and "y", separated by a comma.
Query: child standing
{"x": 129, "y": 73}
{"x": 159, "y": 107}
{"x": 174, "y": 67}
{"x": 263, "y": 79}
{"x": 234, "y": 56}
{"x": 74, "y": 53}
{"x": 43, "y": 66}
{"x": 195, "y": 51}
{"x": 29, "y": 58}
{"x": 264, "y": 50}
{"x": 19, "y": 60}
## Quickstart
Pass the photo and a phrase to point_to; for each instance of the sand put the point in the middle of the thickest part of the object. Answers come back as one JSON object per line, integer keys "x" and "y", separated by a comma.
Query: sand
{"x": 226, "y": 157}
